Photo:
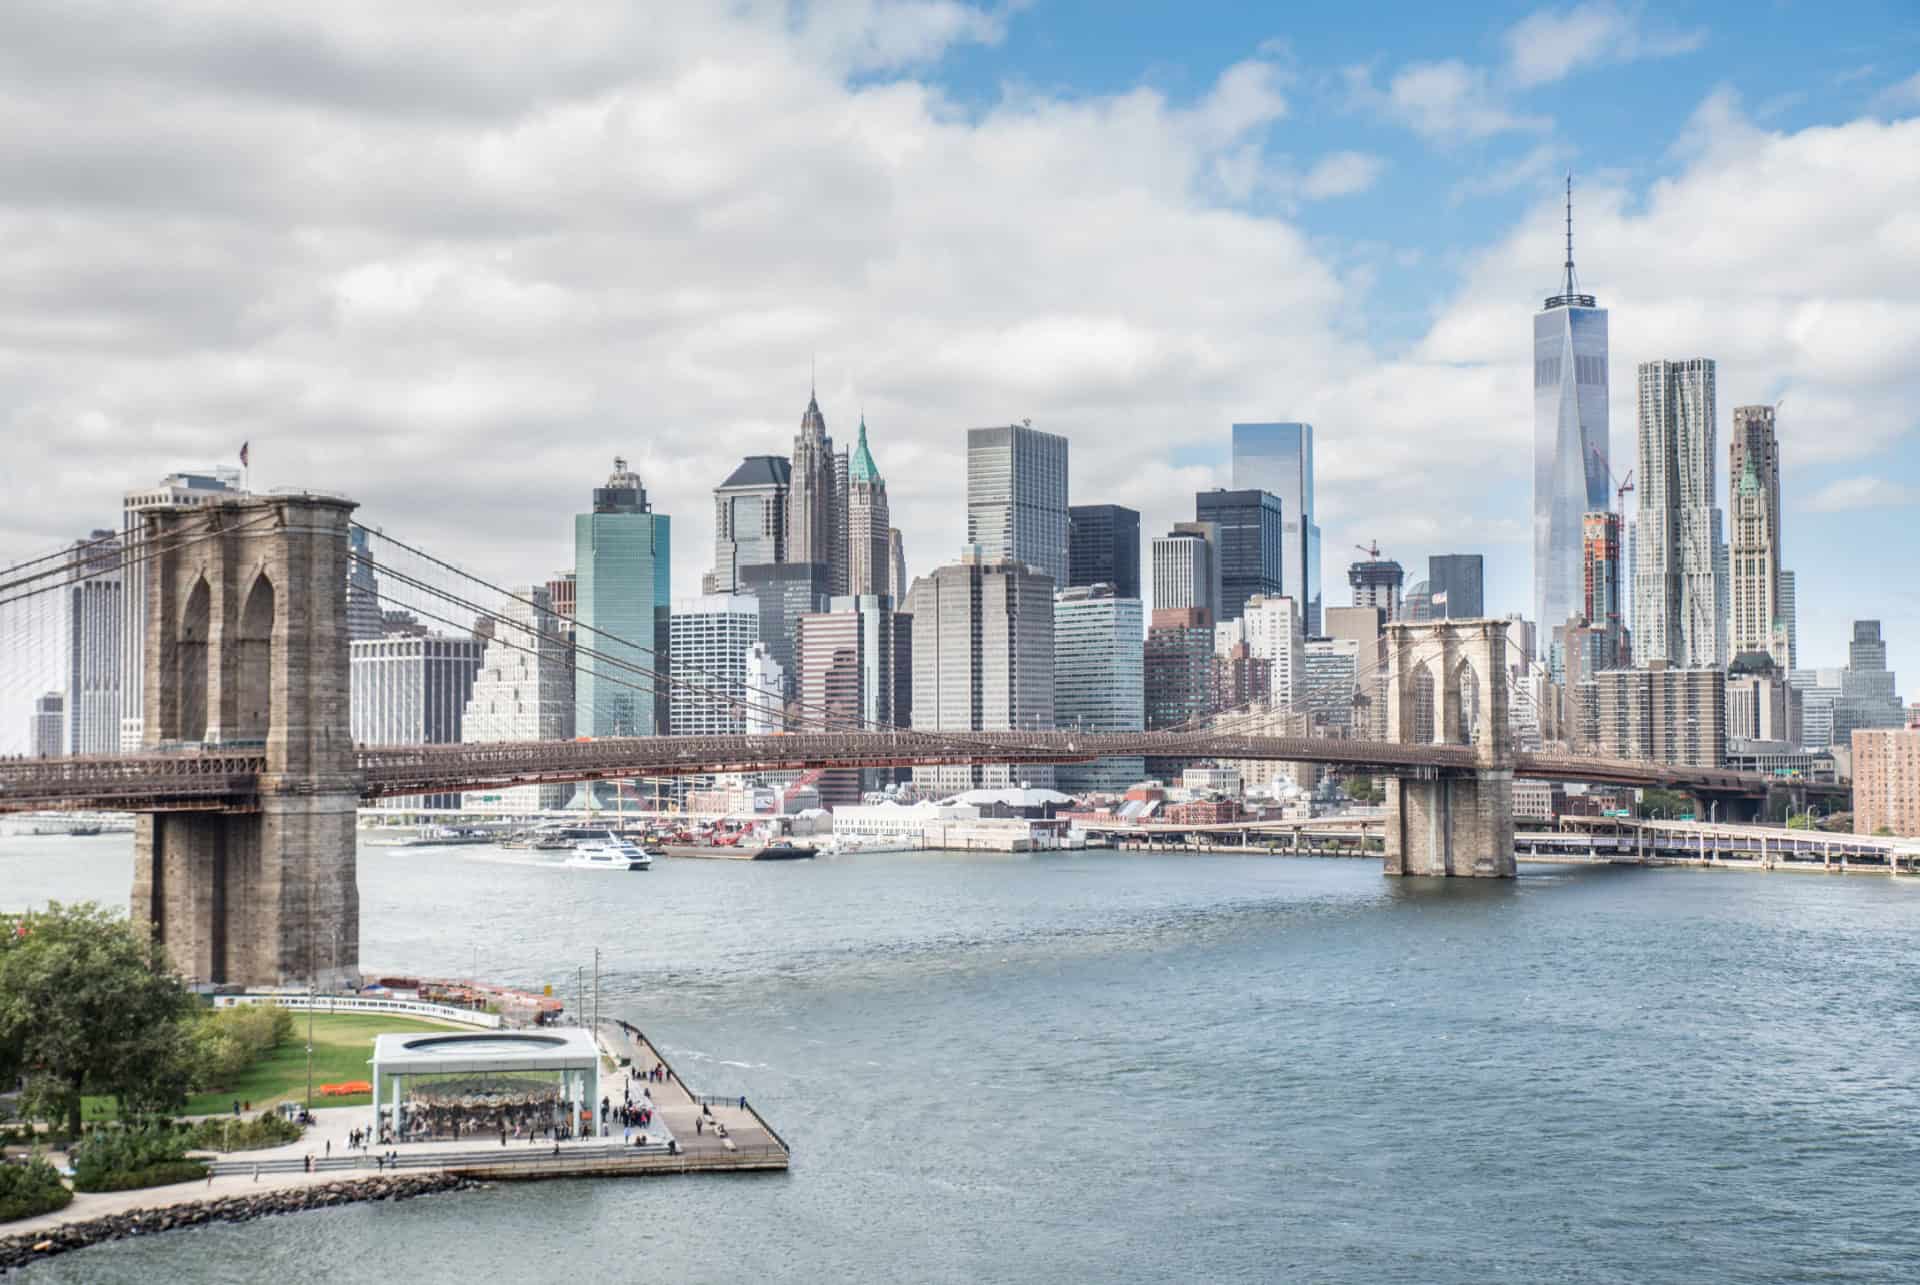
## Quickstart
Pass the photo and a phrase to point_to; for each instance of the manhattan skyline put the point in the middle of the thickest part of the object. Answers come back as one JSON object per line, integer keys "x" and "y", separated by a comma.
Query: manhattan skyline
{"x": 493, "y": 332}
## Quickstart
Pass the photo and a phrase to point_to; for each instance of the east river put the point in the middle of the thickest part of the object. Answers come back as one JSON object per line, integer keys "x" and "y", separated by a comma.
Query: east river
{"x": 1100, "y": 1067}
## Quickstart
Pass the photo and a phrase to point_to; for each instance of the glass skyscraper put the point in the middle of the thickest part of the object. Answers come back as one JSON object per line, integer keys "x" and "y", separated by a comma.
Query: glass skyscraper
{"x": 1017, "y": 497}
{"x": 1249, "y": 542}
{"x": 1570, "y": 477}
{"x": 623, "y": 564}
{"x": 1279, "y": 458}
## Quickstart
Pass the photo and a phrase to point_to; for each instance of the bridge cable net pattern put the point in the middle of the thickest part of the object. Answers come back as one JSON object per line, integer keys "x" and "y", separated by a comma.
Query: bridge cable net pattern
{"x": 433, "y": 590}
{"x": 442, "y": 597}
{"x": 38, "y": 620}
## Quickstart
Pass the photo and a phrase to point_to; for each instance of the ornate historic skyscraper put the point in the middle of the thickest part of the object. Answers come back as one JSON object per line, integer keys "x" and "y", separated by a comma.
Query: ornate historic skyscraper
{"x": 1569, "y": 439}
{"x": 868, "y": 524}
{"x": 811, "y": 503}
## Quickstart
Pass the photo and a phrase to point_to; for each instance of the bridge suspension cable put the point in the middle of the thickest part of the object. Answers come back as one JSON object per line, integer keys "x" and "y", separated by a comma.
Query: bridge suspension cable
{"x": 802, "y": 715}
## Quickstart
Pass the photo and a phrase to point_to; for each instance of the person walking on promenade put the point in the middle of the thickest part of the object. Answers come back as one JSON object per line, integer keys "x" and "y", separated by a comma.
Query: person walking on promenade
{"x": 256, "y": 1173}
{"x": 329, "y": 1148}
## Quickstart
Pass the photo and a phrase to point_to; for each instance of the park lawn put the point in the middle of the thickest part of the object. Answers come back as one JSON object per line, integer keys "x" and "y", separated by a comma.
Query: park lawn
{"x": 342, "y": 1045}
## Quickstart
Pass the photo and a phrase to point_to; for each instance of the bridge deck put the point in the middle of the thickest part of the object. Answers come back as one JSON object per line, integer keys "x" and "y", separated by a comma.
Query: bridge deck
{"x": 228, "y": 778}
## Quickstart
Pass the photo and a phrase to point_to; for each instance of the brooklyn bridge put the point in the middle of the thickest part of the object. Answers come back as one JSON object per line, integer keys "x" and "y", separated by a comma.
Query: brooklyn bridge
{"x": 247, "y": 788}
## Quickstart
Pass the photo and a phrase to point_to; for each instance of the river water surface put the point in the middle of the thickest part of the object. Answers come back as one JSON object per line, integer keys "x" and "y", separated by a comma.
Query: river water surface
{"x": 1101, "y": 1067}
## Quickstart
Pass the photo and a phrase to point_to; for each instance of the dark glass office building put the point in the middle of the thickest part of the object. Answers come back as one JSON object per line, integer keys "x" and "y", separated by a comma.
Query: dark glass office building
{"x": 1103, "y": 547}
{"x": 1250, "y": 545}
{"x": 787, "y": 591}
{"x": 1462, "y": 579}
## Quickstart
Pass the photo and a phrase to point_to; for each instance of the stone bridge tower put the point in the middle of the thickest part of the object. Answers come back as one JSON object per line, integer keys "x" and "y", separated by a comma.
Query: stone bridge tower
{"x": 1447, "y": 685}
{"x": 247, "y": 645}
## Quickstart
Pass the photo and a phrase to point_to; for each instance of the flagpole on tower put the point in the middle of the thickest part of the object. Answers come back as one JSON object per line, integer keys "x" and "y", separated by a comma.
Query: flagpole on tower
{"x": 246, "y": 473}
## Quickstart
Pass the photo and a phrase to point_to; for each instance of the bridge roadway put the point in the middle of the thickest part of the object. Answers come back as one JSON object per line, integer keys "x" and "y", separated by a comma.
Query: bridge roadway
{"x": 231, "y": 778}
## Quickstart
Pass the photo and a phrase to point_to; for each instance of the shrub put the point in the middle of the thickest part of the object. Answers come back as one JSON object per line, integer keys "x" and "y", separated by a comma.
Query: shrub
{"x": 227, "y": 1041}
{"x": 159, "y": 1175}
{"x": 265, "y": 1130}
{"x": 29, "y": 1190}
{"x": 121, "y": 1159}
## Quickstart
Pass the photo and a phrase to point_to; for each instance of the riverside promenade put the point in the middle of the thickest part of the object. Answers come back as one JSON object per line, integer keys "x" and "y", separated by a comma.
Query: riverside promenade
{"x": 691, "y": 1133}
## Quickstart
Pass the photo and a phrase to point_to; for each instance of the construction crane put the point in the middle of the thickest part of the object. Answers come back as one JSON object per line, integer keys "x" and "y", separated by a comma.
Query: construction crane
{"x": 1620, "y": 487}
{"x": 1371, "y": 550}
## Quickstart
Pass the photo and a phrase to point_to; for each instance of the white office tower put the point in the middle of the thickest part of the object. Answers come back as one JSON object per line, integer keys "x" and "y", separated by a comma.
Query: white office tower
{"x": 711, "y": 636}
{"x": 95, "y": 614}
{"x": 1678, "y": 605}
{"x": 184, "y": 490}
{"x": 523, "y": 692}
{"x": 1274, "y": 633}
{"x": 47, "y": 729}
{"x": 1017, "y": 497}
{"x": 1099, "y": 680}
{"x": 412, "y": 689}
{"x": 1186, "y": 570}
{"x": 1570, "y": 413}
{"x": 766, "y": 692}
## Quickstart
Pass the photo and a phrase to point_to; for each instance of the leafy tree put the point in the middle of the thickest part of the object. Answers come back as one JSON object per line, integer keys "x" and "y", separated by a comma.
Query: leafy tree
{"x": 89, "y": 1006}
{"x": 1665, "y": 803}
{"x": 227, "y": 1041}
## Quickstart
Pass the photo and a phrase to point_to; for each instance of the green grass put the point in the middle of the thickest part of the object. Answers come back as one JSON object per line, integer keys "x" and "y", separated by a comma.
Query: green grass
{"x": 342, "y": 1045}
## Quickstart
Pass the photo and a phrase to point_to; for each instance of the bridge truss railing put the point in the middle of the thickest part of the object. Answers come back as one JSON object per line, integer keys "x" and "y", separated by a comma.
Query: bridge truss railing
{"x": 226, "y": 777}
{"x": 191, "y": 780}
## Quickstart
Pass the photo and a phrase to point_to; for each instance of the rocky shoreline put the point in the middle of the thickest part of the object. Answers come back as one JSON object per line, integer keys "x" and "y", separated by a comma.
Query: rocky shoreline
{"x": 30, "y": 1247}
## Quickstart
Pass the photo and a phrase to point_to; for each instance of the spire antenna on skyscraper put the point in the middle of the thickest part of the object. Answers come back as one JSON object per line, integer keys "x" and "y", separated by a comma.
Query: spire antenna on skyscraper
{"x": 1569, "y": 286}
{"x": 1569, "y": 296}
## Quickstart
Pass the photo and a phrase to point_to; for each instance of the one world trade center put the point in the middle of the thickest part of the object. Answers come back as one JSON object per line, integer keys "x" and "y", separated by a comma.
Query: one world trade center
{"x": 1570, "y": 476}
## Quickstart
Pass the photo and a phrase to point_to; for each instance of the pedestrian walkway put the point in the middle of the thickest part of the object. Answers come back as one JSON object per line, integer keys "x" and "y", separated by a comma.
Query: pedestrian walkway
{"x": 689, "y": 1116}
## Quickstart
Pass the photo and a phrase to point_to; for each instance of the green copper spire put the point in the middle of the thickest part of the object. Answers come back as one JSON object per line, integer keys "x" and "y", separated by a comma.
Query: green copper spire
{"x": 861, "y": 467}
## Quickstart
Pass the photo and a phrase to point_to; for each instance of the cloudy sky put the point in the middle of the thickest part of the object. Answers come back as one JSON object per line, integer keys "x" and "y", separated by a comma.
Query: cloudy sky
{"x": 451, "y": 258}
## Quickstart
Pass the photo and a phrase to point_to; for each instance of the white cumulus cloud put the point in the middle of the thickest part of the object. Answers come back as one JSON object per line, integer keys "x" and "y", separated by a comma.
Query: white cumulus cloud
{"x": 1553, "y": 43}
{"x": 1848, "y": 494}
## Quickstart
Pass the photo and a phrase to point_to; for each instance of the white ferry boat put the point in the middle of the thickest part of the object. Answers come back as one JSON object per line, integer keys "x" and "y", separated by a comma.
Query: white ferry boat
{"x": 605, "y": 851}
